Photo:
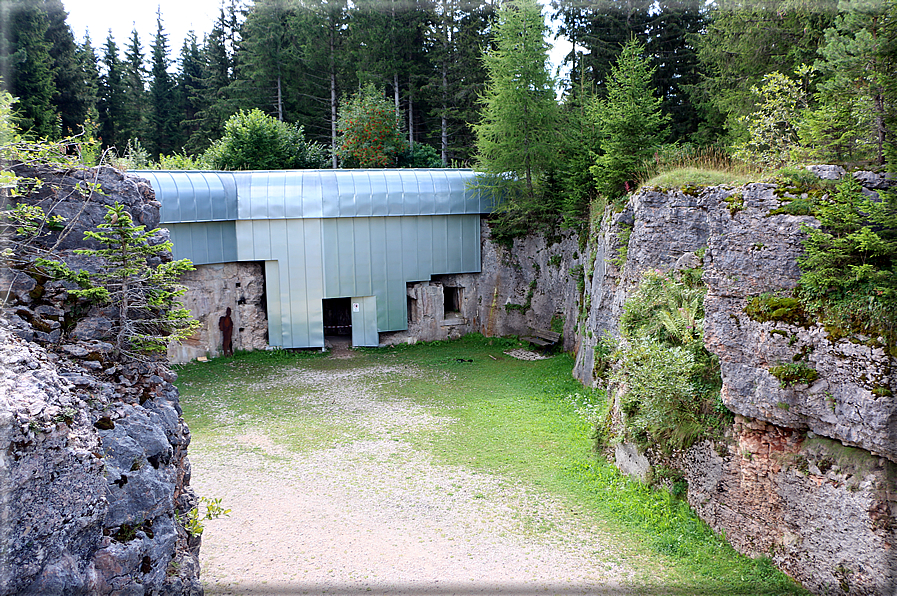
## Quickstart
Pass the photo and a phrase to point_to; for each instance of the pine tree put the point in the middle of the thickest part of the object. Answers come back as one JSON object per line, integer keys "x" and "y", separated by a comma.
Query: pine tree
{"x": 145, "y": 295}
{"x": 857, "y": 69}
{"x": 631, "y": 123}
{"x": 135, "y": 123}
{"x": 25, "y": 55}
{"x": 268, "y": 59}
{"x": 111, "y": 103}
{"x": 325, "y": 68}
{"x": 211, "y": 100}
{"x": 671, "y": 31}
{"x": 189, "y": 89}
{"x": 745, "y": 41}
{"x": 519, "y": 123}
{"x": 72, "y": 106}
{"x": 89, "y": 93}
{"x": 164, "y": 117}
{"x": 602, "y": 28}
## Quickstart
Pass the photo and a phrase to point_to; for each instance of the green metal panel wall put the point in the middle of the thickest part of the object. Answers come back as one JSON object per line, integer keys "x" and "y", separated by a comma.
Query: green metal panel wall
{"x": 295, "y": 300}
{"x": 308, "y": 260}
{"x": 364, "y": 321}
{"x": 204, "y": 243}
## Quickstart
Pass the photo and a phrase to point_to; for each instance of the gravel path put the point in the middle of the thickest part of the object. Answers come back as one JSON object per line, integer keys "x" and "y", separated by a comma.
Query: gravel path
{"x": 373, "y": 515}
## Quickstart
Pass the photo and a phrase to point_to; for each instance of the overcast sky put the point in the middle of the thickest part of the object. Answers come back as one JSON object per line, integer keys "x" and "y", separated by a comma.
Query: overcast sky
{"x": 178, "y": 18}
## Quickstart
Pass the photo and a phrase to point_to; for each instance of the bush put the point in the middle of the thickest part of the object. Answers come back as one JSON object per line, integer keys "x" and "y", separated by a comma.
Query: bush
{"x": 671, "y": 381}
{"x": 421, "y": 155}
{"x": 369, "y": 132}
{"x": 849, "y": 269}
{"x": 255, "y": 141}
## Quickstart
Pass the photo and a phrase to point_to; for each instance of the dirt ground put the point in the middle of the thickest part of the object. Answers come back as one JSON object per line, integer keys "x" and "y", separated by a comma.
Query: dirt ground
{"x": 373, "y": 515}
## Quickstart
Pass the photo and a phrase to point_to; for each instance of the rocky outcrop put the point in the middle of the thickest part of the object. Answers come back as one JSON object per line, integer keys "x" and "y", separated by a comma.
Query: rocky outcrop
{"x": 94, "y": 449}
{"x": 808, "y": 474}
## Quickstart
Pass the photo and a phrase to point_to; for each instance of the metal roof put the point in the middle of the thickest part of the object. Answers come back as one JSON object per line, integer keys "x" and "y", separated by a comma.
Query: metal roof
{"x": 203, "y": 196}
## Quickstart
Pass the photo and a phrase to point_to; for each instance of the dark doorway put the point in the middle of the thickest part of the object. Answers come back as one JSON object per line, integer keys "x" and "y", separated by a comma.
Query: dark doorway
{"x": 337, "y": 316}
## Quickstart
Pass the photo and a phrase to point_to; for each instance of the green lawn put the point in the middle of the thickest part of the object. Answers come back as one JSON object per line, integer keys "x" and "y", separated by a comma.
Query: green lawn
{"x": 508, "y": 417}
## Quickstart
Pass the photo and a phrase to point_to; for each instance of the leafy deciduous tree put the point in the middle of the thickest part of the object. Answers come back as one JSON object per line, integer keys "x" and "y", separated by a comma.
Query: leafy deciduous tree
{"x": 370, "y": 135}
{"x": 255, "y": 141}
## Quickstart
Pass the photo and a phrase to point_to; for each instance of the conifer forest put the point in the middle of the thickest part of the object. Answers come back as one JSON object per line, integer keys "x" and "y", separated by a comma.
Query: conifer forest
{"x": 424, "y": 83}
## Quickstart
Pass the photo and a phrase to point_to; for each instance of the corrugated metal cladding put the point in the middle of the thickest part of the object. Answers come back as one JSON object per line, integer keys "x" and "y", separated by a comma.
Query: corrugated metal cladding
{"x": 359, "y": 234}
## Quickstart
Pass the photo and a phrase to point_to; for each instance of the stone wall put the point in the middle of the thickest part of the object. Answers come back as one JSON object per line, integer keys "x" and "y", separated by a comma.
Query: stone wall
{"x": 808, "y": 474}
{"x": 531, "y": 285}
{"x": 211, "y": 290}
{"x": 93, "y": 448}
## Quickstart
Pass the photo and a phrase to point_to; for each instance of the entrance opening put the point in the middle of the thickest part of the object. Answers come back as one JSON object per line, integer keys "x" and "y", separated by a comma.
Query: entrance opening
{"x": 451, "y": 300}
{"x": 337, "y": 316}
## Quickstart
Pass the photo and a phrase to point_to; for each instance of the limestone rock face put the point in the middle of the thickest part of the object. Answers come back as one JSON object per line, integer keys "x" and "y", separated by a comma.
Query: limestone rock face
{"x": 819, "y": 510}
{"x": 756, "y": 254}
{"x": 808, "y": 478}
{"x": 52, "y": 468}
{"x": 93, "y": 449}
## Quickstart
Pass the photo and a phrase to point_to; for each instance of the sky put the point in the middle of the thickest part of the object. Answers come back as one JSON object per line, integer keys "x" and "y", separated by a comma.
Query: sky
{"x": 178, "y": 18}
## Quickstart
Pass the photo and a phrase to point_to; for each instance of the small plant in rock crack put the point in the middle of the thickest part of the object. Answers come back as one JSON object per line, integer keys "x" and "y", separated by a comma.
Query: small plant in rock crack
{"x": 193, "y": 522}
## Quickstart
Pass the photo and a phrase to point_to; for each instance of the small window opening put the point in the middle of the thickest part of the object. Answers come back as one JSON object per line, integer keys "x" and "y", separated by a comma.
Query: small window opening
{"x": 452, "y": 300}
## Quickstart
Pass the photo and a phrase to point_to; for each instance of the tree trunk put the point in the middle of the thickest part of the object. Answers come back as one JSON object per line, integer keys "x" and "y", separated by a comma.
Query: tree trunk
{"x": 333, "y": 102}
{"x": 279, "y": 100}
{"x": 410, "y": 117}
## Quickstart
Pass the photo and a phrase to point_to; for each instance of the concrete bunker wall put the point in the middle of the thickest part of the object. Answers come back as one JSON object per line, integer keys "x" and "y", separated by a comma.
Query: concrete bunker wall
{"x": 211, "y": 290}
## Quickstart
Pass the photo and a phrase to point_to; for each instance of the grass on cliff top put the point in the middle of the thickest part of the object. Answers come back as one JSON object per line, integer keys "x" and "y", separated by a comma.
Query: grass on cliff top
{"x": 691, "y": 176}
{"x": 508, "y": 417}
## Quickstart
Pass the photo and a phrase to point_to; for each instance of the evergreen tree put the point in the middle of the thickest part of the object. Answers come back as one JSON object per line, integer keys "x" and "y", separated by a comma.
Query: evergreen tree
{"x": 519, "y": 122}
{"x": 857, "y": 70}
{"x": 268, "y": 58}
{"x": 26, "y": 60}
{"x": 68, "y": 77}
{"x": 671, "y": 31}
{"x": 111, "y": 102}
{"x": 189, "y": 89}
{"x": 745, "y": 41}
{"x": 164, "y": 117}
{"x": 89, "y": 93}
{"x": 211, "y": 101}
{"x": 144, "y": 294}
{"x": 631, "y": 123}
{"x": 320, "y": 32}
{"x": 601, "y": 27}
{"x": 135, "y": 123}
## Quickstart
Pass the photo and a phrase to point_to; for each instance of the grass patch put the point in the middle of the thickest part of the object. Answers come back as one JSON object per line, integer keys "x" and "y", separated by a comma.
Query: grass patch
{"x": 692, "y": 176}
{"x": 529, "y": 422}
